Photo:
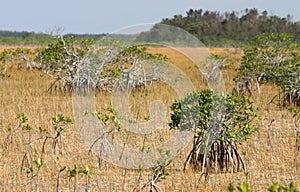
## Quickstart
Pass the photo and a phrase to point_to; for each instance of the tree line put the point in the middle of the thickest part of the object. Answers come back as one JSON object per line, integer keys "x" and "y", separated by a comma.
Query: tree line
{"x": 214, "y": 28}
{"x": 32, "y": 38}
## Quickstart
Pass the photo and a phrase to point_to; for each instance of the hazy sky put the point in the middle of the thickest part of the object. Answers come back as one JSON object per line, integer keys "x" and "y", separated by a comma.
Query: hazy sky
{"x": 98, "y": 16}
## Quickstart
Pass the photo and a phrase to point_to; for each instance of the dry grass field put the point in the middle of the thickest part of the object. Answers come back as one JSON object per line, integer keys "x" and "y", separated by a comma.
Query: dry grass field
{"x": 270, "y": 153}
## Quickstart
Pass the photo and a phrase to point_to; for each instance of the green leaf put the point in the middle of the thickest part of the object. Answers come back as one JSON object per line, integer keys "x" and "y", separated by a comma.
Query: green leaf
{"x": 244, "y": 187}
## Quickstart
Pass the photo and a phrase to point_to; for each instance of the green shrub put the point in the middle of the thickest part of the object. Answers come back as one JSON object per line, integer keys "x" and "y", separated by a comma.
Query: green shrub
{"x": 216, "y": 135}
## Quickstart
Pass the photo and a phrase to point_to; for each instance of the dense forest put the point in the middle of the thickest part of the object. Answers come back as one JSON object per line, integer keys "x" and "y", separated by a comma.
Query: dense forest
{"x": 215, "y": 28}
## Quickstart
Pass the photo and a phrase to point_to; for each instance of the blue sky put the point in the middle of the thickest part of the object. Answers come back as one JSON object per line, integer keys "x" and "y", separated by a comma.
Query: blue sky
{"x": 98, "y": 16}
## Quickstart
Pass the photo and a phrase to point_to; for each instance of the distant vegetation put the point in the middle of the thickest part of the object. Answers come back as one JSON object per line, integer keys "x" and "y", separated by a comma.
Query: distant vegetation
{"x": 213, "y": 28}
{"x": 24, "y": 38}
{"x": 232, "y": 28}
{"x": 32, "y": 38}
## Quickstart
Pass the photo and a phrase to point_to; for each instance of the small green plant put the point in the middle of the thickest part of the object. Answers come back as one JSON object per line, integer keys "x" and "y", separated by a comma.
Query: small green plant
{"x": 241, "y": 188}
{"x": 26, "y": 161}
{"x": 277, "y": 187}
{"x": 87, "y": 172}
{"x": 158, "y": 172}
{"x": 59, "y": 171}
{"x": 230, "y": 187}
{"x": 22, "y": 127}
{"x": 244, "y": 187}
{"x": 274, "y": 187}
{"x": 109, "y": 117}
{"x": 21, "y": 119}
{"x": 73, "y": 173}
{"x": 35, "y": 170}
{"x": 59, "y": 125}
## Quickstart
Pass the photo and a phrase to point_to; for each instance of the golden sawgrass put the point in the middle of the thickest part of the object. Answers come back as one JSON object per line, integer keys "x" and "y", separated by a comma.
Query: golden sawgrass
{"x": 26, "y": 91}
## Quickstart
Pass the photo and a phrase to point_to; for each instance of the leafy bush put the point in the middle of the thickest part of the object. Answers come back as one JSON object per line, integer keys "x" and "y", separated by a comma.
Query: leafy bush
{"x": 213, "y": 147}
{"x": 22, "y": 57}
{"x": 75, "y": 63}
{"x": 272, "y": 58}
{"x": 130, "y": 67}
{"x": 61, "y": 58}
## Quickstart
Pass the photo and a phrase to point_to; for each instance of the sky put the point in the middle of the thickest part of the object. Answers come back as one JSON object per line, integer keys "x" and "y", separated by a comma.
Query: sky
{"x": 98, "y": 16}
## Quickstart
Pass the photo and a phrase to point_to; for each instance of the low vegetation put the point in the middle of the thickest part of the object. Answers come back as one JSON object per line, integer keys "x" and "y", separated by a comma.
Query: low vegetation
{"x": 221, "y": 142}
{"x": 215, "y": 145}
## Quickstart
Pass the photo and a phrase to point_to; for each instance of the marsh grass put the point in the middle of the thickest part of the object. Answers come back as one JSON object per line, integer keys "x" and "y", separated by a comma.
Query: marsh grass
{"x": 269, "y": 154}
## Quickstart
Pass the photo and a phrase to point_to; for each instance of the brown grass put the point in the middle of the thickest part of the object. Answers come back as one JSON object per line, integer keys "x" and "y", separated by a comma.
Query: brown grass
{"x": 270, "y": 151}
